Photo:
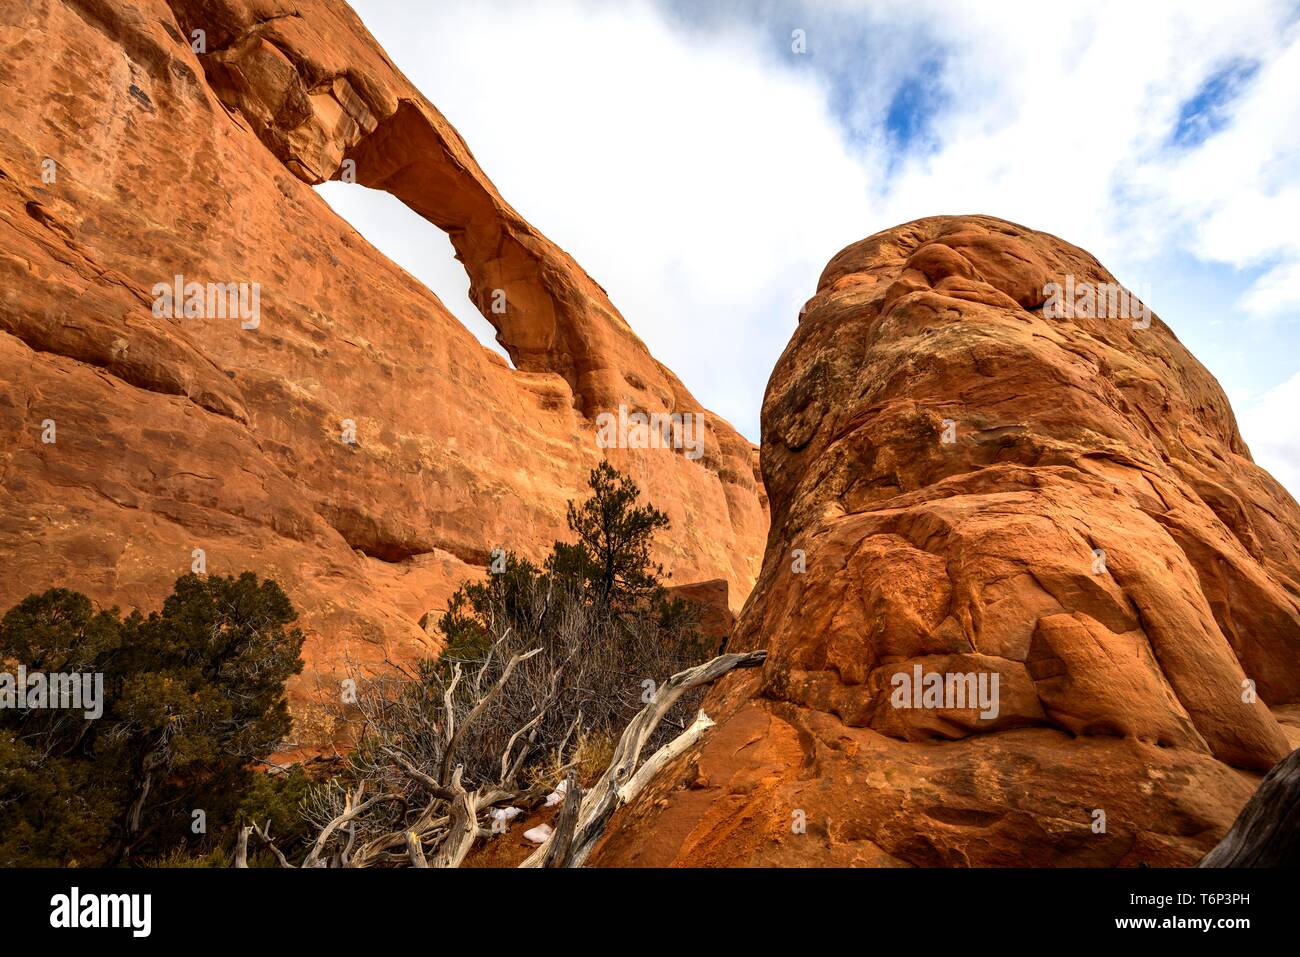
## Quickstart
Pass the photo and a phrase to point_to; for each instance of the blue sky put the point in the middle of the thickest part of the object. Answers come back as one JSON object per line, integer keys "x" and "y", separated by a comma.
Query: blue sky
{"x": 1209, "y": 110}
{"x": 704, "y": 171}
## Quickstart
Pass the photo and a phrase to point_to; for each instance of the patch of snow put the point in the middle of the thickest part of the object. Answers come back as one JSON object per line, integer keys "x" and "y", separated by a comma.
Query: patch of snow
{"x": 556, "y": 796}
{"x": 538, "y": 834}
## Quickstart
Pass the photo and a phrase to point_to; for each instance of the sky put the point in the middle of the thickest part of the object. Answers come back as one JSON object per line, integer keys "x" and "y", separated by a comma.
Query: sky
{"x": 704, "y": 160}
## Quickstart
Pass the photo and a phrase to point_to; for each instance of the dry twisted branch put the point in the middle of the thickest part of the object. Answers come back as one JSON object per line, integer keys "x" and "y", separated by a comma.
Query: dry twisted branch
{"x": 610, "y": 792}
{"x": 438, "y": 776}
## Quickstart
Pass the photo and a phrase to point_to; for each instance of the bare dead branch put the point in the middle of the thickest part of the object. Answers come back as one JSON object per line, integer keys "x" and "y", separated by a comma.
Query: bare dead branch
{"x": 241, "y": 848}
{"x": 560, "y": 846}
{"x": 454, "y": 741}
{"x": 354, "y": 809}
{"x": 439, "y": 753}
{"x": 265, "y": 837}
{"x": 509, "y": 770}
{"x": 603, "y": 799}
{"x": 1267, "y": 831}
{"x": 415, "y": 851}
{"x": 663, "y": 757}
{"x": 462, "y": 829}
{"x": 434, "y": 788}
{"x": 449, "y": 711}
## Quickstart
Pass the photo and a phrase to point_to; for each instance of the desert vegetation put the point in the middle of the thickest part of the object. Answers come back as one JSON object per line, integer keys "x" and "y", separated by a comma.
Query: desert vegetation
{"x": 555, "y": 681}
{"x": 192, "y": 697}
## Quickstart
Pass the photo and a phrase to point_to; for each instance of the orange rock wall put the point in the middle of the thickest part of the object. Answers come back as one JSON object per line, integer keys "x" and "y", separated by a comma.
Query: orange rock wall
{"x": 978, "y": 487}
{"x": 174, "y": 434}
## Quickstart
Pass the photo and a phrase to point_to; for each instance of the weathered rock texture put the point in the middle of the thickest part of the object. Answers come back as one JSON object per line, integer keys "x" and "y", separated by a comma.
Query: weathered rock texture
{"x": 1122, "y": 684}
{"x": 177, "y": 434}
{"x": 712, "y": 605}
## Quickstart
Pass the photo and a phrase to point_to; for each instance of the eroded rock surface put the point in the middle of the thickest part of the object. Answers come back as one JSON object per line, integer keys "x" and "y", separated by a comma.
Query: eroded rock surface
{"x": 145, "y": 140}
{"x": 973, "y": 483}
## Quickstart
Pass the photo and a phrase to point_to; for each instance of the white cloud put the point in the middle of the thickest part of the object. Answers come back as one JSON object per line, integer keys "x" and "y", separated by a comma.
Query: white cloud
{"x": 415, "y": 244}
{"x": 704, "y": 187}
{"x": 1275, "y": 293}
{"x": 1238, "y": 194}
{"x": 704, "y": 175}
{"x": 1063, "y": 113}
{"x": 1271, "y": 426}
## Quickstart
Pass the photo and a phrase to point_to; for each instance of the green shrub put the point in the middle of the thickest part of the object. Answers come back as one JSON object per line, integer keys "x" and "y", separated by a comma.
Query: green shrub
{"x": 193, "y": 695}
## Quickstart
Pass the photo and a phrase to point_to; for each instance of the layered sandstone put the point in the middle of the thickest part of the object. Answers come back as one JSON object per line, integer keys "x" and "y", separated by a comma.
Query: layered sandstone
{"x": 145, "y": 140}
{"x": 965, "y": 481}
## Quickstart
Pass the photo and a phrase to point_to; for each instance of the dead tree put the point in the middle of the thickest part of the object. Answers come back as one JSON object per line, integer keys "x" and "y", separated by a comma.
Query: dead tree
{"x": 621, "y": 781}
{"x": 1267, "y": 831}
{"x": 435, "y": 768}
{"x": 559, "y": 852}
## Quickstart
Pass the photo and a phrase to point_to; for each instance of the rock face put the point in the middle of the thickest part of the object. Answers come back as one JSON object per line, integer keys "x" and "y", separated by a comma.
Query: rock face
{"x": 713, "y": 608}
{"x": 351, "y": 438}
{"x": 968, "y": 476}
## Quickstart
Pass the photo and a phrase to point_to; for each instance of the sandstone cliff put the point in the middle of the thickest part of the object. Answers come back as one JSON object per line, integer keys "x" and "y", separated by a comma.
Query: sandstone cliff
{"x": 145, "y": 140}
{"x": 965, "y": 480}
{"x": 961, "y": 480}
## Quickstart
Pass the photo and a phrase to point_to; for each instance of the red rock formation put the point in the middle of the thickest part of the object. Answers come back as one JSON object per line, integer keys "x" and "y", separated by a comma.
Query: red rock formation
{"x": 979, "y": 487}
{"x": 180, "y": 433}
{"x": 713, "y": 608}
